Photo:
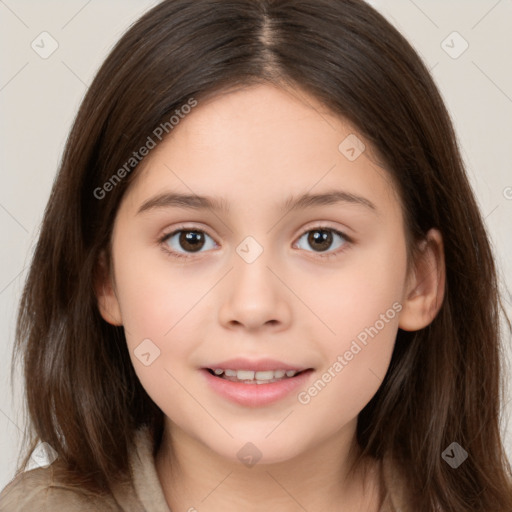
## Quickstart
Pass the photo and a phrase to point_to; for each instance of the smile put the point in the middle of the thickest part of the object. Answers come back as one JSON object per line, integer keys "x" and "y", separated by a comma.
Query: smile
{"x": 239, "y": 387}
{"x": 253, "y": 377}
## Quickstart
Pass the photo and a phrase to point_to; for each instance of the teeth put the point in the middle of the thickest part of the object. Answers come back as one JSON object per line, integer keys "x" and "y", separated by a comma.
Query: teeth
{"x": 268, "y": 375}
{"x": 245, "y": 375}
{"x": 260, "y": 377}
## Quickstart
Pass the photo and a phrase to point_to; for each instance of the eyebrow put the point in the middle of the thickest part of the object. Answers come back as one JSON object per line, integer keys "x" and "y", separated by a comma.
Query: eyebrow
{"x": 196, "y": 202}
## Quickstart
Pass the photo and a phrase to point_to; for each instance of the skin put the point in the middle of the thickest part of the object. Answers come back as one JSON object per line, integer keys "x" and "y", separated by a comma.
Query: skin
{"x": 254, "y": 147}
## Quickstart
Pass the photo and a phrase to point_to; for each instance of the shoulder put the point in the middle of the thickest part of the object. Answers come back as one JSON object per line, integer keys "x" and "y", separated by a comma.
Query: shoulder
{"x": 38, "y": 489}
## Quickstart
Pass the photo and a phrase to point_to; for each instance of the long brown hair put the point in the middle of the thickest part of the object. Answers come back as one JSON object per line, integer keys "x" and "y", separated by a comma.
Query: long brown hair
{"x": 444, "y": 382}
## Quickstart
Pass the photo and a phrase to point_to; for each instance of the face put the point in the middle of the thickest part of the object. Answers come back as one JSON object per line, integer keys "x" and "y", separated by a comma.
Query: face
{"x": 318, "y": 286}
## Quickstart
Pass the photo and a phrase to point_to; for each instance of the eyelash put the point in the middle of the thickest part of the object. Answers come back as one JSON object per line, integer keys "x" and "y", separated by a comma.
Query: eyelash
{"x": 326, "y": 255}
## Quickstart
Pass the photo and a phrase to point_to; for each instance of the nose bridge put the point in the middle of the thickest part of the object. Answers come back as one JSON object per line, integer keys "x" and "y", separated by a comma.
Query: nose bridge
{"x": 255, "y": 295}
{"x": 251, "y": 268}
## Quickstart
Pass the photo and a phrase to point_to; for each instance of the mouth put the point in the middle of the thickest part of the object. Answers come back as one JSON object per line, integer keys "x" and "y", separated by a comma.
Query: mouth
{"x": 256, "y": 377}
{"x": 255, "y": 383}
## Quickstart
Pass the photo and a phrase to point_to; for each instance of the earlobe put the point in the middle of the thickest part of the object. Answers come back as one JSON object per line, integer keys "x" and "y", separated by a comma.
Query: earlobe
{"x": 425, "y": 288}
{"x": 108, "y": 304}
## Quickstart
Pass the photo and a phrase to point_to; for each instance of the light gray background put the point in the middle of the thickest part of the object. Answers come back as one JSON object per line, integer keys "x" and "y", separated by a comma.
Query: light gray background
{"x": 39, "y": 98}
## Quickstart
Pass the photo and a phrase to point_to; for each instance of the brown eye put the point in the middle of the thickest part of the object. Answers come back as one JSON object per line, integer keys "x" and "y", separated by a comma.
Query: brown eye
{"x": 187, "y": 241}
{"x": 321, "y": 239}
{"x": 191, "y": 240}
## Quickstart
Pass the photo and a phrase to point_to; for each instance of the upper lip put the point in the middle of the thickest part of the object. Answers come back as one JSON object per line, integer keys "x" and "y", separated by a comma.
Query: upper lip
{"x": 256, "y": 365}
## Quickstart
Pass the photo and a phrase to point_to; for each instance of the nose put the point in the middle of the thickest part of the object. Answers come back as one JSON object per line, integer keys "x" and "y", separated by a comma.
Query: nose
{"x": 254, "y": 297}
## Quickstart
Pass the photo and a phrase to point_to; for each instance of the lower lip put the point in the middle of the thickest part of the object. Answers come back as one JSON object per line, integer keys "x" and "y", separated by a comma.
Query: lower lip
{"x": 255, "y": 395}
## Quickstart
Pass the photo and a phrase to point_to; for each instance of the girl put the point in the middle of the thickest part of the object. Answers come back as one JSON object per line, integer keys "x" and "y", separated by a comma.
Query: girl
{"x": 186, "y": 344}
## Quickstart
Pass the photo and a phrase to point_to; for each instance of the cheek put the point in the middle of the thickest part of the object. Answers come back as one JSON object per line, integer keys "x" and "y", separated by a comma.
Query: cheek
{"x": 155, "y": 294}
{"x": 160, "y": 308}
{"x": 354, "y": 295}
{"x": 161, "y": 311}
{"x": 354, "y": 364}
{"x": 361, "y": 305}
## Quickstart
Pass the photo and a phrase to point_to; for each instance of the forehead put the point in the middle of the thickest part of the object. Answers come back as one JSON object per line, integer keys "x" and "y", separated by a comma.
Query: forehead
{"x": 258, "y": 144}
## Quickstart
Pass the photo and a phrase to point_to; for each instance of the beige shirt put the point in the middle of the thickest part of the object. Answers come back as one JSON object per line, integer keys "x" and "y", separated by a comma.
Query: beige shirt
{"x": 38, "y": 490}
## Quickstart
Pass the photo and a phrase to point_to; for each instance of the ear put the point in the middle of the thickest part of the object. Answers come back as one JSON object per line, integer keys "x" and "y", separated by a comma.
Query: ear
{"x": 108, "y": 304}
{"x": 424, "y": 292}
